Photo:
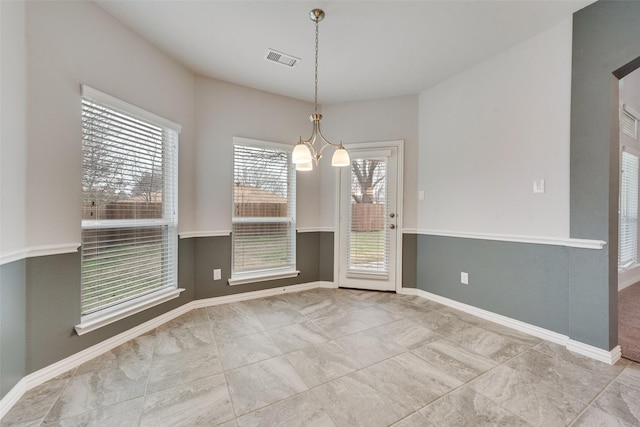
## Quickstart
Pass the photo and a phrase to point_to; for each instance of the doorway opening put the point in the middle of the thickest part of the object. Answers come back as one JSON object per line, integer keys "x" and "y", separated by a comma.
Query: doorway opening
{"x": 628, "y": 209}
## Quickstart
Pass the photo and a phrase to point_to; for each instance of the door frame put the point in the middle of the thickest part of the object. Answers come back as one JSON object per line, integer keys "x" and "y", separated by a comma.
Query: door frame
{"x": 399, "y": 145}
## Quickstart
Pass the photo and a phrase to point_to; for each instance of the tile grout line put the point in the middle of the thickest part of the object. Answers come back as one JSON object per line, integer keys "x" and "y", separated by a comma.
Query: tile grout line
{"x": 309, "y": 389}
{"x": 146, "y": 386}
{"x": 468, "y": 383}
{"x": 597, "y": 396}
{"x": 378, "y": 305}
{"x": 222, "y": 370}
{"x": 67, "y": 381}
{"x": 407, "y": 350}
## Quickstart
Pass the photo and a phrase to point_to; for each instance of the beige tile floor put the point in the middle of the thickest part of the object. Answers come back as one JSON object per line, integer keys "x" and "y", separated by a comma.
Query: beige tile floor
{"x": 330, "y": 357}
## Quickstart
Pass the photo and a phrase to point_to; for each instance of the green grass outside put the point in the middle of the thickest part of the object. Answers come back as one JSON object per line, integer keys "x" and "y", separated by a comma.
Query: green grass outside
{"x": 122, "y": 278}
{"x": 367, "y": 246}
{"x": 264, "y": 251}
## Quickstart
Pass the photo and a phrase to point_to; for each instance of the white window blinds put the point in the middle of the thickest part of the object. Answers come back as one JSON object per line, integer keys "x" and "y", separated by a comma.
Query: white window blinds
{"x": 129, "y": 203}
{"x": 264, "y": 206}
{"x": 368, "y": 238}
{"x": 628, "y": 251}
{"x": 629, "y": 122}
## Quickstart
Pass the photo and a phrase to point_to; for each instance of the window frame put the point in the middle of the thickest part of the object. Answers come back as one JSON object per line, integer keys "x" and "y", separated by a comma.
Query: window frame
{"x": 120, "y": 310}
{"x": 265, "y": 274}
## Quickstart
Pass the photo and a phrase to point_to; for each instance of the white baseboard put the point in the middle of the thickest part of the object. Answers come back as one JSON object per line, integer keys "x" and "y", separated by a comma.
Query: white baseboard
{"x": 609, "y": 357}
{"x": 49, "y": 372}
{"x": 245, "y": 296}
{"x": 12, "y": 397}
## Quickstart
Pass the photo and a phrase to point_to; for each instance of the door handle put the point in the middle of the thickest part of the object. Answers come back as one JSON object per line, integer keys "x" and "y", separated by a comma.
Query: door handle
{"x": 392, "y": 226}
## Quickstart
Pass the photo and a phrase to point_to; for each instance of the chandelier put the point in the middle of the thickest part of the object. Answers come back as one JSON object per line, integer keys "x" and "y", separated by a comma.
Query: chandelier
{"x": 305, "y": 153}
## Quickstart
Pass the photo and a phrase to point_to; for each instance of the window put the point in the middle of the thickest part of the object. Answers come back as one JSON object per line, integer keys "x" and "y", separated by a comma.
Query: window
{"x": 129, "y": 209}
{"x": 628, "y": 251}
{"x": 264, "y": 206}
{"x": 629, "y": 122}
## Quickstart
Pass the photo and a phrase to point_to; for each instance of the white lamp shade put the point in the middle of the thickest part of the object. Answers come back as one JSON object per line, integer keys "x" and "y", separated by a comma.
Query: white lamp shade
{"x": 301, "y": 154}
{"x": 340, "y": 158}
{"x": 304, "y": 167}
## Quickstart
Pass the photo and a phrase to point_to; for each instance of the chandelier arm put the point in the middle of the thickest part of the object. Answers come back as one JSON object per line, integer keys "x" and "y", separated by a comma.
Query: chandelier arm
{"x": 313, "y": 138}
{"x": 310, "y": 146}
{"x": 333, "y": 144}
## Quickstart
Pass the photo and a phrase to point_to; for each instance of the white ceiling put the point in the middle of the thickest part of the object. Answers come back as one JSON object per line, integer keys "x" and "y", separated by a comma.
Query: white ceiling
{"x": 368, "y": 50}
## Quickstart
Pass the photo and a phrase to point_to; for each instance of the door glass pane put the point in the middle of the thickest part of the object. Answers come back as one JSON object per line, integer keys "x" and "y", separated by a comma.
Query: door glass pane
{"x": 368, "y": 239}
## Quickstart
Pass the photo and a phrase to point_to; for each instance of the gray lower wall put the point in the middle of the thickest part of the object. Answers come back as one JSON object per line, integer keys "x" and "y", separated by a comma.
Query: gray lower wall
{"x": 53, "y": 307}
{"x": 40, "y": 298}
{"x": 13, "y": 345}
{"x": 592, "y": 319}
{"x": 543, "y": 285}
{"x": 522, "y": 281}
{"x": 314, "y": 259}
{"x": 409, "y": 260}
{"x": 325, "y": 272}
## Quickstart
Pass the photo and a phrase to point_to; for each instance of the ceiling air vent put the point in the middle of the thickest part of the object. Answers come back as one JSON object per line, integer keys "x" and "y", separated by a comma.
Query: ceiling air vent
{"x": 282, "y": 58}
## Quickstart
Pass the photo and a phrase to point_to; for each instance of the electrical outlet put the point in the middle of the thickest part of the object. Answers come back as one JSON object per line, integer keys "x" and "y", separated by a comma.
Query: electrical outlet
{"x": 464, "y": 278}
{"x": 217, "y": 274}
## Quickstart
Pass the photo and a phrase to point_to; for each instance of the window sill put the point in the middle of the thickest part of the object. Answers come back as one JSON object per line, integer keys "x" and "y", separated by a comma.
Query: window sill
{"x": 105, "y": 317}
{"x": 242, "y": 280}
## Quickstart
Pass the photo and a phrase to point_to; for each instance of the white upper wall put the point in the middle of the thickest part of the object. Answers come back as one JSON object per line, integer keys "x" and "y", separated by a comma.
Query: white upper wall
{"x": 487, "y": 133}
{"x": 484, "y": 135}
{"x": 13, "y": 128}
{"x": 70, "y": 43}
{"x": 224, "y": 110}
{"x": 387, "y": 119}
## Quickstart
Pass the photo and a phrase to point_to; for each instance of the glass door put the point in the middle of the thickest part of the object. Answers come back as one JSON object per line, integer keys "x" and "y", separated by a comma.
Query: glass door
{"x": 368, "y": 219}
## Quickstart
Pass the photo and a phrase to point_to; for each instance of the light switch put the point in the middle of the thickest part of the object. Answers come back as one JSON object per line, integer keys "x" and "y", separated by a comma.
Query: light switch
{"x": 538, "y": 186}
{"x": 420, "y": 195}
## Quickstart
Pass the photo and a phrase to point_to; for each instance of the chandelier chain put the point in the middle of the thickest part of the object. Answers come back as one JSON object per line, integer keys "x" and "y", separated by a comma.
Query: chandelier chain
{"x": 316, "y": 70}
{"x": 305, "y": 152}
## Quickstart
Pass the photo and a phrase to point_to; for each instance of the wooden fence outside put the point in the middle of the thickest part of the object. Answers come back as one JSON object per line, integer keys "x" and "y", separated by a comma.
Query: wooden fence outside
{"x": 367, "y": 217}
{"x": 123, "y": 210}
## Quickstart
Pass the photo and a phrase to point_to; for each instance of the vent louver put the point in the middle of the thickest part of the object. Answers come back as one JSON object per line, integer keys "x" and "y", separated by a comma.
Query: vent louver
{"x": 281, "y": 58}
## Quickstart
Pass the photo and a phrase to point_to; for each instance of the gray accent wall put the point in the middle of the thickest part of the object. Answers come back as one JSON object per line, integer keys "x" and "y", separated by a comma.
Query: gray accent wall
{"x": 13, "y": 346}
{"x": 53, "y": 307}
{"x": 527, "y": 282}
{"x": 606, "y": 47}
{"x": 325, "y": 269}
{"x": 409, "y": 260}
{"x": 314, "y": 259}
{"x": 537, "y": 284}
